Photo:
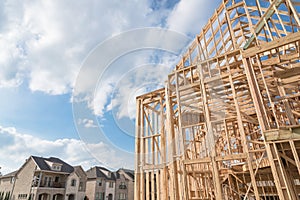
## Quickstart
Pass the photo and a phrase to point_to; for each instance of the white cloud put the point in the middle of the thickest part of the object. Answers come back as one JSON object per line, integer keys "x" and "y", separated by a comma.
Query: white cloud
{"x": 117, "y": 90}
{"x": 19, "y": 146}
{"x": 136, "y": 82}
{"x": 87, "y": 123}
{"x": 189, "y": 16}
{"x": 46, "y": 41}
{"x": 101, "y": 97}
{"x": 127, "y": 77}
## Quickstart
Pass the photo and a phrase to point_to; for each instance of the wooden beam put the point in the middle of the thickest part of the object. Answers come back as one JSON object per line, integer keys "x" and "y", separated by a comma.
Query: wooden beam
{"x": 291, "y": 38}
{"x": 204, "y": 136}
{"x": 263, "y": 21}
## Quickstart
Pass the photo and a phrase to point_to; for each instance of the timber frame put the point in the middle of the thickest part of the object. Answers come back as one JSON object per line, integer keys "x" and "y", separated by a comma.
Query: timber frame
{"x": 227, "y": 124}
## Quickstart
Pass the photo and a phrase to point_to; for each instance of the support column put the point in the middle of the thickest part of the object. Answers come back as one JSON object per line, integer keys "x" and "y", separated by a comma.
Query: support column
{"x": 210, "y": 138}
{"x": 137, "y": 177}
{"x": 172, "y": 142}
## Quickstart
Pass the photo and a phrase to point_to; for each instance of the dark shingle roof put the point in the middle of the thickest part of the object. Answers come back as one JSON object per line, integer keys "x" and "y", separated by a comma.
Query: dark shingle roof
{"x": 117, "y": 175}
{"x": 129, "y": 172}
{"x": 97, "y": 172}
{"x": 41, "y": 162}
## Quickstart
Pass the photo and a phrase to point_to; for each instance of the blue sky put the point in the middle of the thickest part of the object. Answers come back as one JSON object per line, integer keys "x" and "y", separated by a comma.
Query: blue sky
{"x": 45, "y": 45}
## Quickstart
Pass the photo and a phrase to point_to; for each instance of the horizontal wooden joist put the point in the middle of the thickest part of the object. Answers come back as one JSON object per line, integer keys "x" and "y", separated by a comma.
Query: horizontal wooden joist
{"x": 287, "y": 73}
{"x": 154, "y": 167}
{"x": 267, "y": 46}
{"x": 217, "y": 158}
{"x": 151, "y": 94}
{"x": 283, "y": 133}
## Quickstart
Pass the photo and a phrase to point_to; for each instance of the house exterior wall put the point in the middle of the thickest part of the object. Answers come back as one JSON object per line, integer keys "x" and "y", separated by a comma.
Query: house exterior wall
{"x": 129, "y": 187}
{"x": 47, "y": 184}
{"x": 79, "y": 189}
{"x": 6, "y": 184}
{"x": 130, "y": 190}
{"x": 91, "y": 189}
{"x": 49, "y": 179}
{"x": 72, "y": 189}
{"x": 81, "y": 192}
{"x": 50, "y": 191}
{"x": 24, "y": 180}
{"x": 95, "y": 187}
{"x": 80, "y": 195}
{"x": 110, "y": 190}
{"x": 121, "y": 188}
{"x": 122, "y": 185}
{"x": 54, "y": 184}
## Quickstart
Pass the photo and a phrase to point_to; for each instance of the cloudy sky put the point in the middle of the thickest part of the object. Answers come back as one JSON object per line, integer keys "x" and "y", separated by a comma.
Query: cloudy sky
{"x": 70, "y": 71}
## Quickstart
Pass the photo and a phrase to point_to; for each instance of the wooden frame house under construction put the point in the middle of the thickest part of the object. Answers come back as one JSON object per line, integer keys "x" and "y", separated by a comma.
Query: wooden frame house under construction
{"x": 227, "y": 123}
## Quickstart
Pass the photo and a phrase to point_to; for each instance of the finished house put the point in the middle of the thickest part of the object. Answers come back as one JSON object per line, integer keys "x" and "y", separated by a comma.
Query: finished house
{"x": 53, "y": 179}
{"x": 125, "y": 184}
{"x": 102, "y": 184}
{"x": 45, "y": 179}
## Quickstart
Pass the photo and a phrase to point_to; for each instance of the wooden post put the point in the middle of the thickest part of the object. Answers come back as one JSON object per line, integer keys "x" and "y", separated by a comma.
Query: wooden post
{"x": 210, "y": 138}
{"x": 137, "y": 177}
{"x": 206, "y": 159}
{"x": 172, "y": 141}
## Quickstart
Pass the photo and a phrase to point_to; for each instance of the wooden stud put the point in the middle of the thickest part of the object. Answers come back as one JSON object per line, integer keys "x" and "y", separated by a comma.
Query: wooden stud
{"x": 222, "y": 107}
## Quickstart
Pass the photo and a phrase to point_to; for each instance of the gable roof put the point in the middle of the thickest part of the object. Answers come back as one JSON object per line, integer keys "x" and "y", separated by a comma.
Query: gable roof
{"x": 41, "y": 163}
{"x": 11, "y": 174}
{"x": 98, "y": 172}
{"x": 129, "y": 172}
{"x": 80, "y": 172}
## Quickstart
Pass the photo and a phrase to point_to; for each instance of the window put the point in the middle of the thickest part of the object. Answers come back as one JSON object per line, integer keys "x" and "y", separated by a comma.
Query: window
{"x": 111, "y": 184}
{"x": 56, "y": 179}
{"x": 100, "y": 183}
{"x": 31, "y": 196}
{"x": 73, "y": 182}
{"x": 22, "y": 196}
{"x": 122, "y": 196}
{"x": 80, "y": 186}
{"x": 99, "y": 196}
{"x": 47, "y": 181}
{"x": 122, "y": 185}
{"x": 56, "y": 167}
